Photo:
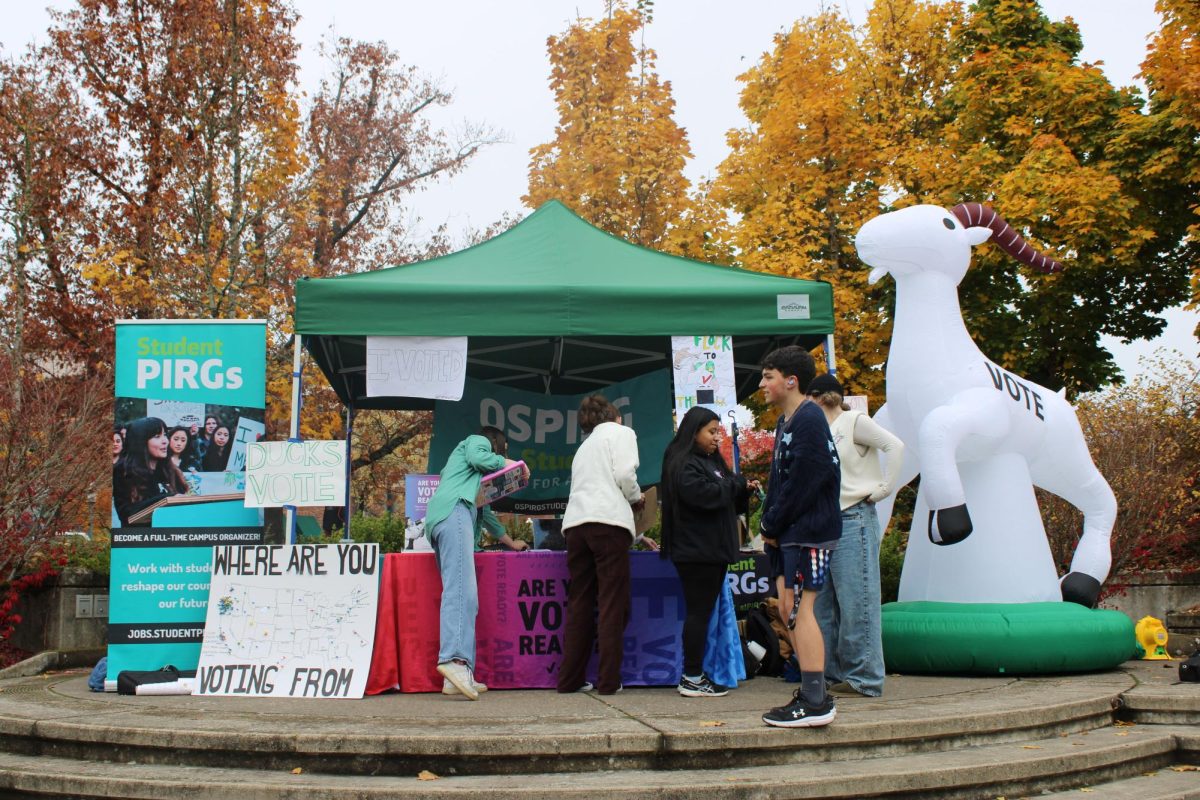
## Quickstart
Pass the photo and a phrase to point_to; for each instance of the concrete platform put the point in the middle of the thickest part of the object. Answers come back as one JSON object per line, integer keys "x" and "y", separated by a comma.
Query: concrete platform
{"x": 927, "y": 737}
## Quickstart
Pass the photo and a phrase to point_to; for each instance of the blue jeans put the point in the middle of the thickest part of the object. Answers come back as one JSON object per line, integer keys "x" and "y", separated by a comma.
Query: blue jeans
{"x": 848, "y": 608}
{"x": 453, "y": 542}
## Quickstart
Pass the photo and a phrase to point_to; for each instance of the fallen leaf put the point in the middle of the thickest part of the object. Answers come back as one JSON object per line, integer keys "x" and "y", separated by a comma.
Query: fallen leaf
{"x": 1077, "y": 744}
{"x": 1086, "y": 789}
{"x": 1031, "y": 747}
{"x": 712, "y": 723}
{"x": 1122, "y": 733}
{"x": 1185, "y": 768}
{"x": 298, "y": 770}
{"x": 1149, "y": 774}
{"x": 1123, "y": 724}
{"x": 426, "y": 775}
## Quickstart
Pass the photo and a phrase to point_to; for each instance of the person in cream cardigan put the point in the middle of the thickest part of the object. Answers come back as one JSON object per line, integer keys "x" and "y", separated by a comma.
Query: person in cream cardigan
{"x": 848, "y": 610}
{"x": 599, "y": 528}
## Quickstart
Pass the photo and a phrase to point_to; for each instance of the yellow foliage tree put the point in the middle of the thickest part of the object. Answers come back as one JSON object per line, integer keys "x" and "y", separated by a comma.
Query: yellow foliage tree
{"x": 1172, "y": 74}
{"x": 802, "y": 177}
{"x": 617, "y": 156}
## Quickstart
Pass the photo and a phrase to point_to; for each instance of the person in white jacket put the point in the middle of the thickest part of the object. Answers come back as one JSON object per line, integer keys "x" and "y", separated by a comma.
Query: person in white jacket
{"x": 599, "y": 528}
{"x": 848, "y": 610}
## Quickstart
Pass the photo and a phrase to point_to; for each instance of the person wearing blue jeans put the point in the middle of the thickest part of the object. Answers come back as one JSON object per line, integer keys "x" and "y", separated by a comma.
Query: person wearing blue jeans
{"x": 454, "y": 523}
{"x": 848, "y": 611}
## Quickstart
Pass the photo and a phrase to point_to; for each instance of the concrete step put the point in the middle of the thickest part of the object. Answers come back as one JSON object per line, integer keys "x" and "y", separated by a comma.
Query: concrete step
{"x": 1174, "y": 782}
{"x": 539, "y": 732}
{"x": 1084, "y": 759}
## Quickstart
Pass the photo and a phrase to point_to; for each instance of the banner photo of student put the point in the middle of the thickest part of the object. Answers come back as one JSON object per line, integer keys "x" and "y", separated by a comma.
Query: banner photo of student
{"x": 177, "y": 489}
{"x": 702, "y": 369}
{"x": 543, "y": 431}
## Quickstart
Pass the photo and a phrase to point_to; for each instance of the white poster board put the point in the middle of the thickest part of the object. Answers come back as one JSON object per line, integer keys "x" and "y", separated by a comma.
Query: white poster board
{"x": 703, "y": 370}
{"x": 416, "y": 366}
{"x": 308, "y": 473}
{"x": 246, "y": 432}
{"x": 290, "y": 620}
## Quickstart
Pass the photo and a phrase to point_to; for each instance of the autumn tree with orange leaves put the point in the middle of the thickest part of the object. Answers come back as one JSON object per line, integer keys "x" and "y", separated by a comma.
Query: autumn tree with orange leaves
{"x": 157, "y": 160}
{"x": 934, "y": 103}
{"x": 617, "y": 156}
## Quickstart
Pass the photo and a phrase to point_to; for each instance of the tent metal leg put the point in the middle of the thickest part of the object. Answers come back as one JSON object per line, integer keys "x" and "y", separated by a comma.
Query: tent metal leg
{"x": 830, "y": 361}
{"x": 294, "y": 425}
{"x": 349, "y": 469}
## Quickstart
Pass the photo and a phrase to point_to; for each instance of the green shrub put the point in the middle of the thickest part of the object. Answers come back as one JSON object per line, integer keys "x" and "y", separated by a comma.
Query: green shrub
{"x": 86, "y": 554}
{"x": 386, "y": 531}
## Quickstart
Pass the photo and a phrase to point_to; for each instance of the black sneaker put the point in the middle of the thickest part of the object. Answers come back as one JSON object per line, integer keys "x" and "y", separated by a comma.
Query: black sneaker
{"x": 702, "y": 687}
{"x": 798, "y": 714}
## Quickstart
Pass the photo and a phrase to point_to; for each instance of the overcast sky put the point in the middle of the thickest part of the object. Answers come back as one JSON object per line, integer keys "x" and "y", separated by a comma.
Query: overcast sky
{"x": 492, "y": 56}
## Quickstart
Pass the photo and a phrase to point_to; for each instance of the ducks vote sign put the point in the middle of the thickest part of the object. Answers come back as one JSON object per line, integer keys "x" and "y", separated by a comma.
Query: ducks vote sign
{"x": 309, "y": 473}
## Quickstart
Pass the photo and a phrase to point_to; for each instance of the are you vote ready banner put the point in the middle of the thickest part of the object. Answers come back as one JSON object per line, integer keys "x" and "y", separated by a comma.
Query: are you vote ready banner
{"x": 543, "y": 431}
{"x": 201, "y": 385}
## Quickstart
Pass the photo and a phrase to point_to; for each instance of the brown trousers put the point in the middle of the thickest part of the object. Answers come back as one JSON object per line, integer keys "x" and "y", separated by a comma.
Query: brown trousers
{"x": 598, "y": 561}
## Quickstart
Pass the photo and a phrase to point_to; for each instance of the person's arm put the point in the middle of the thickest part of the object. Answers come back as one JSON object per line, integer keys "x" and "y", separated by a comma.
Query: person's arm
{"x": 697, "y": 487}
{"x": 496, "y": 528}
{"x": 869, "y": 433}
{"x": 624, "y": 455}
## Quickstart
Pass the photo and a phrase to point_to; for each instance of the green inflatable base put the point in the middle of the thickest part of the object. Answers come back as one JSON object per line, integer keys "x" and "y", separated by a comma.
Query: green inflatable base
{"x": 1003, "y": 638}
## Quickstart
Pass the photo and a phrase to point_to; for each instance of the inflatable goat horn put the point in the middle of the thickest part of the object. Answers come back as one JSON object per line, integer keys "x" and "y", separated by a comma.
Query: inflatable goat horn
{"x": 973, "y": 215}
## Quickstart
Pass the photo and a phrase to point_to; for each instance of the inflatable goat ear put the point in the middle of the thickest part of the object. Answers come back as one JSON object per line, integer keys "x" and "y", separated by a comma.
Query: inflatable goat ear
{"x": 977, "y": 215}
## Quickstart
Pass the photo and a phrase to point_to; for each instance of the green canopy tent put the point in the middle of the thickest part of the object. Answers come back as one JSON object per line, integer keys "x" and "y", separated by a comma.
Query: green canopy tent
{"x": 556, "y": 305}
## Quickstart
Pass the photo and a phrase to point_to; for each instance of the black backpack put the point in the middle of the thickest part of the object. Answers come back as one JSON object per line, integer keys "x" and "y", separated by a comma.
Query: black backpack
{"x": 758, "y": 629}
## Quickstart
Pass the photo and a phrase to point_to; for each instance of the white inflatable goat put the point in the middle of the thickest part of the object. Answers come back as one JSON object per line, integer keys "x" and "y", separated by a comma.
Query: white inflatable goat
{"x": 980, "y": 437}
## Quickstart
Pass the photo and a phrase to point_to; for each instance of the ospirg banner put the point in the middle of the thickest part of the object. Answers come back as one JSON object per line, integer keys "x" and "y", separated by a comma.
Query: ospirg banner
{"x": 543, "y": 431}
{"x": 190, "y": 397}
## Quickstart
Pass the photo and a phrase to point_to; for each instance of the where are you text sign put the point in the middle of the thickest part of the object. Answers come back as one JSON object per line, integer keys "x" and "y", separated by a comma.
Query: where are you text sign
{"x": 308, "y": 473}
{"x": 290, "y": 620}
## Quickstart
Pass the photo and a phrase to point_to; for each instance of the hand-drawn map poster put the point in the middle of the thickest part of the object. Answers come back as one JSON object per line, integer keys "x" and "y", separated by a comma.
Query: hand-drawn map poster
{"x": 290, "y": 620}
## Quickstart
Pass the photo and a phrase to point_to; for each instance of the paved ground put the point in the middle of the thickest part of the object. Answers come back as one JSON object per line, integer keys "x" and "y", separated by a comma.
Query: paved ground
{"x": 521, "y": 716}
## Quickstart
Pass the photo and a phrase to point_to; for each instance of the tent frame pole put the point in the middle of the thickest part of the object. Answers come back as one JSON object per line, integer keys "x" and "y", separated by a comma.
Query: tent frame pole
{"x": 830, "y": 360}
{"x": 349, "y": 471}
{"x": 294, "y": 423}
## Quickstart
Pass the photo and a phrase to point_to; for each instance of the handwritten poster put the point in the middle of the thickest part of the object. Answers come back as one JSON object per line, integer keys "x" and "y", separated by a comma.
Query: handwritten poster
{"x": 416, "y": 366}
{"x": 703, "y": 372}
{"x": 185, "y": 413}
{"x": 247, "y": 432}
{"x": 290, "y": 620}
{"x": 308, "y": 473}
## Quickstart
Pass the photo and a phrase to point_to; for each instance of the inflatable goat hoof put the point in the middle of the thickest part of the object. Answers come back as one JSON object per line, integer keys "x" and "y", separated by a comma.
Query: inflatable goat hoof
{"x": 949, "y": 525}
{"x": 1080, "y": 588}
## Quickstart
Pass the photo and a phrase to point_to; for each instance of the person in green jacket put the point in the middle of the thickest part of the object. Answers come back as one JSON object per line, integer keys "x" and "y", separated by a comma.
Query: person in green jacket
{"x": 454, "y": 521}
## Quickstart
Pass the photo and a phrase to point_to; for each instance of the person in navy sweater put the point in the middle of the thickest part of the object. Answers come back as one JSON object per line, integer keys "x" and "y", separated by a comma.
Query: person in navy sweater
{"x": 801, "y": 524}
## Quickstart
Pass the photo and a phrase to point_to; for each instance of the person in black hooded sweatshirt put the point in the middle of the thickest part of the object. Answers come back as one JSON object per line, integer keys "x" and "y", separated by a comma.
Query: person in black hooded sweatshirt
{"x": 702, "y": 498}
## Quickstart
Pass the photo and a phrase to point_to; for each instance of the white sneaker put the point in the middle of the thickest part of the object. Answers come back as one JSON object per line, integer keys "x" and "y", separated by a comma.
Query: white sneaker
{"x": 450, "y": 688}
{"x": 459, "y": 675}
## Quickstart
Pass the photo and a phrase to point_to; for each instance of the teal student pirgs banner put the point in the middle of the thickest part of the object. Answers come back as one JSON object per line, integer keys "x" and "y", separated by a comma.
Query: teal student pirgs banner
{"x": 190, "y": 396}
{"x": 543, "y": 431}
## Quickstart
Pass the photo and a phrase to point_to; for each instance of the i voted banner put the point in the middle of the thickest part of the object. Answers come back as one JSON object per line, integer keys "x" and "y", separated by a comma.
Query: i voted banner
{"x": 190, "y": 399}
{"x": 543, "y": 431}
